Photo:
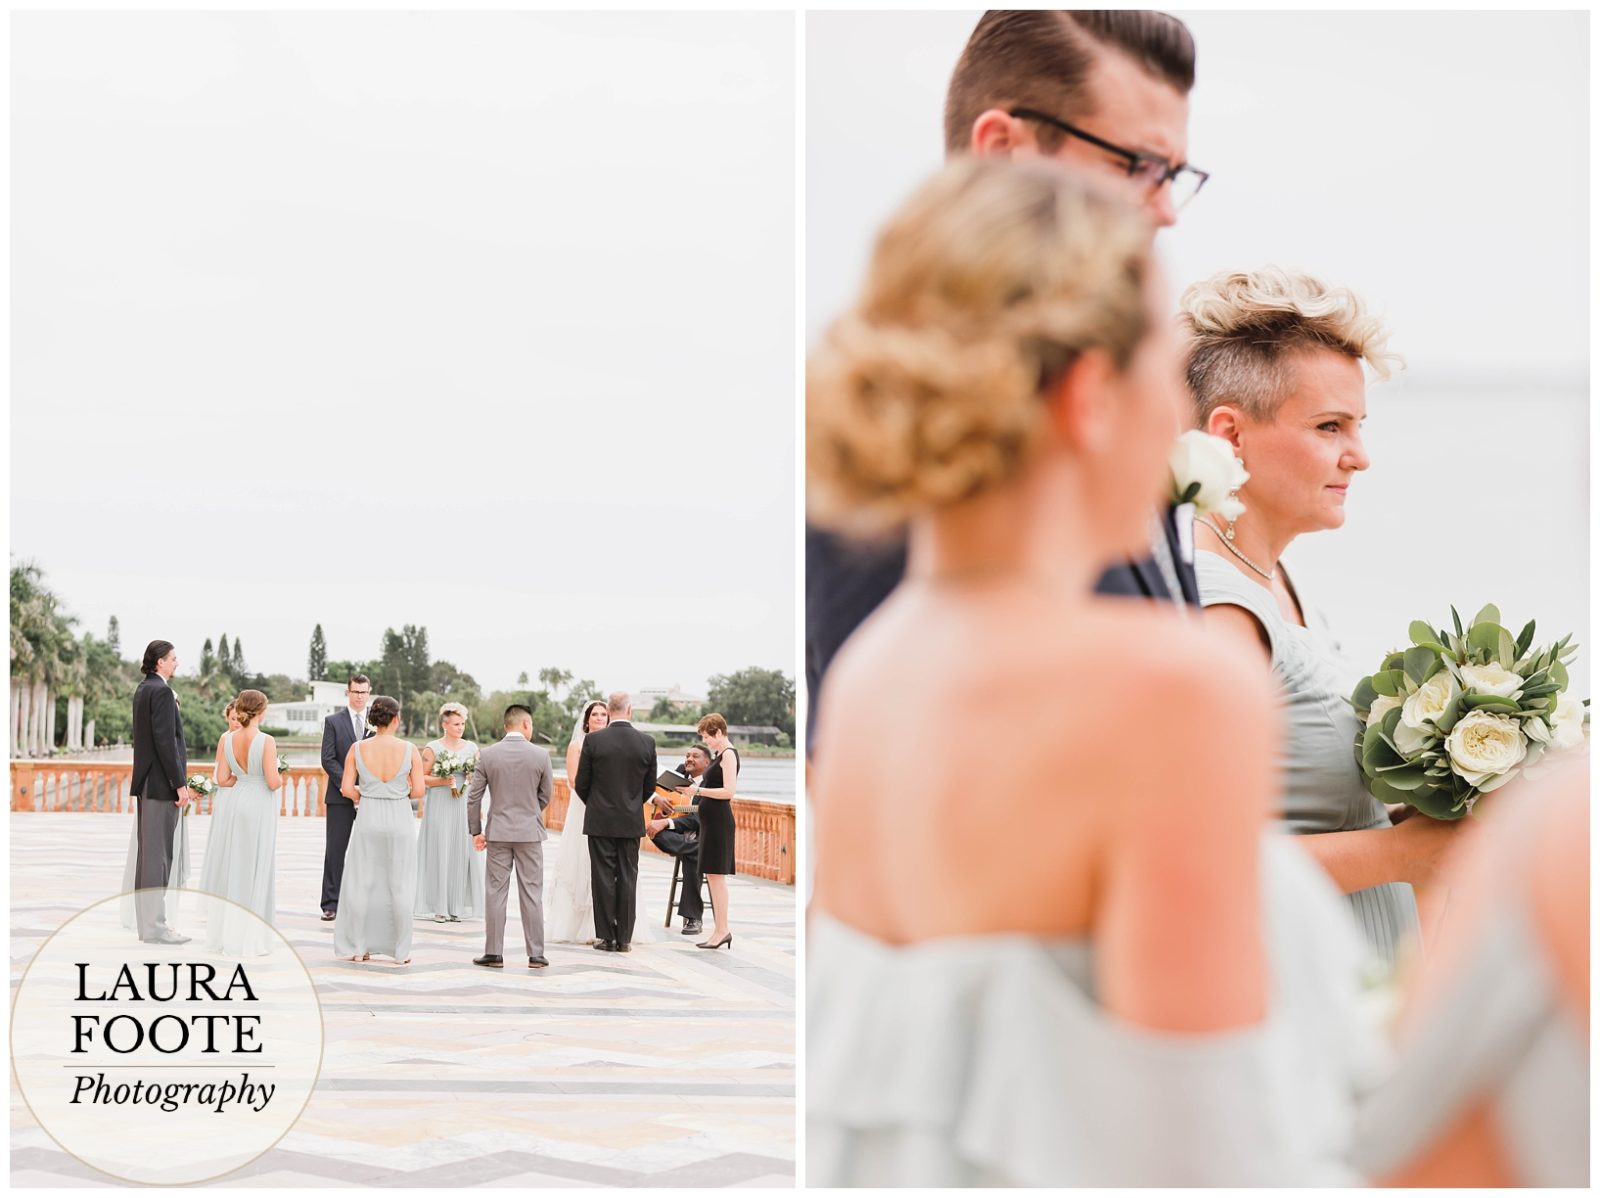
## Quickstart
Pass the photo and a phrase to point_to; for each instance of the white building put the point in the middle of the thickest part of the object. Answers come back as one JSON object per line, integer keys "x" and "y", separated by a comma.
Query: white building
{"x": 306, "y": 716}
{"x": 648, "y": 696}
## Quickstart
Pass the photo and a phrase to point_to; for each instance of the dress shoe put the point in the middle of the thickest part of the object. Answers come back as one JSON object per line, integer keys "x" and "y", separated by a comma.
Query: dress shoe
{"x": 538, "y": 963}
{"x": 728, "y": 940}
{"x": 167, "y": 937}
{"x": 606, "y": 946}
{"x": 691, "y": 927}
{"x": 327, "y": 916}
{"x": 490, "y": 961}
{"x": 621, "y": 948}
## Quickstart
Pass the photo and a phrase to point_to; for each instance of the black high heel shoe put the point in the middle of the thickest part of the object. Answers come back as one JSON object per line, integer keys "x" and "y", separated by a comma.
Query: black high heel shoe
{"x": 726, "y": 940}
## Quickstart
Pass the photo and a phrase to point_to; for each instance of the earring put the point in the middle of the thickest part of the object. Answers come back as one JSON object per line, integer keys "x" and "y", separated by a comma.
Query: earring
{"x": 1233, "y": 497}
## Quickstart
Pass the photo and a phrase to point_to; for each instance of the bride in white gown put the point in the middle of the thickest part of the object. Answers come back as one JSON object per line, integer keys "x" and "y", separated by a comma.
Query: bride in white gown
{"x": 569, "y": 907}
{"x": 1120, "y": 978}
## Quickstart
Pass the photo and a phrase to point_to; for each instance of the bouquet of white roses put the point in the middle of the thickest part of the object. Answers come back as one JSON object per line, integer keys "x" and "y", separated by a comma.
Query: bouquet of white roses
{"x": 457, "y": 768}
{"x": 1206, "y": 473}
{"x": 203, "y": 786}
{"x": 1459, "y": 715}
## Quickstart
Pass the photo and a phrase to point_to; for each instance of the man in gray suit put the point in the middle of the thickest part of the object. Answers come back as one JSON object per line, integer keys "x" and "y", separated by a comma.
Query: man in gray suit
{"x": 517, "y": 771}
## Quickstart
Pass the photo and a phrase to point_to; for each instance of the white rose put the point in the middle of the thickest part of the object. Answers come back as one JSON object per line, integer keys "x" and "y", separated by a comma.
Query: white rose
{"x": 1431, "y": 700}
{"x": 1568, "y": 730}
{"x": 1483, "y": 744}
{"x": 1199, "y": 457}
{"x": 1491, "y": 680}
{"x": 1411, "y": 741}
{"x": 1382, "y": 706}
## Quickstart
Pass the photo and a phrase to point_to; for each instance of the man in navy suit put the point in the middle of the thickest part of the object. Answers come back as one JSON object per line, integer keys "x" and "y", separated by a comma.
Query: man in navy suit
{"x": 1116, "y": 85}
{"x": 339, "y": 731}
{"x": 160, "y": 783}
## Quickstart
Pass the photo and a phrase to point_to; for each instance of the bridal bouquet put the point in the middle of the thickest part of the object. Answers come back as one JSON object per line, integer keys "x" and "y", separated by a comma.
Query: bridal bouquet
{"x": 202, "y": 785}
{"x": 283, "y": 764}
{"x": 458, "y": 769}
{"x": 1206, "y": 474}
{"x": 1457, "y": 716}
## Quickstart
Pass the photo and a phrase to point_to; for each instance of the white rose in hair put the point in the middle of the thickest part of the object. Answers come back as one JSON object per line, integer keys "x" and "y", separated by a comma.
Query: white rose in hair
{"x": 1491, "y": 680}
{"x": 1483, "y": 745}
{"x": 1432, "y": 700}
{"x": 1568, "y": 730}
{"x": 1205, "y": 473}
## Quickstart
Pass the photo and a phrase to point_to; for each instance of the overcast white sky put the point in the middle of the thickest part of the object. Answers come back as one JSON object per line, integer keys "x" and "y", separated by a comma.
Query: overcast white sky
{"x": 1436, "y": 162}
{"x": 479, "y": 321}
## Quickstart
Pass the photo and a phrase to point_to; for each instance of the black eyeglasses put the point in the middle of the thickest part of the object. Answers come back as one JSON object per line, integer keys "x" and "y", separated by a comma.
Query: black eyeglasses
{"x": 1148, "y": 170}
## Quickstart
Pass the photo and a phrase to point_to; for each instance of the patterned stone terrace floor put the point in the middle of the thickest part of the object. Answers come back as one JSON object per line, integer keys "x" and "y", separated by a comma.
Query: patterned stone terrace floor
{"x": 666, "y": 1066}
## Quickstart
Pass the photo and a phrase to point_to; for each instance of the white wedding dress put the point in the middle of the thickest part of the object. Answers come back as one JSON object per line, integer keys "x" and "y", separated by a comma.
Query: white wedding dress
{"x": 987, "y": 1061}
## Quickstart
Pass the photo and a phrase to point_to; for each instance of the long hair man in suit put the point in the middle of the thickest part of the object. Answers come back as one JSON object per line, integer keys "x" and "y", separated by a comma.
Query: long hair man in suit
{"x": 160, "y": 784}
{"x": 339, "y": 731}
{"x": 517, "y": 774}
{"x": 616, "y": 777}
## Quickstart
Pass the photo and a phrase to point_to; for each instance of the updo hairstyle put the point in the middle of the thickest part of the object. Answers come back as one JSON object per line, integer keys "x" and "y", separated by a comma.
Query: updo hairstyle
{"x": 1245, "y": 328}
{"x": 247, "y": 708}
{"x": 383, "y": 711}
{"x": 984, "y": 288}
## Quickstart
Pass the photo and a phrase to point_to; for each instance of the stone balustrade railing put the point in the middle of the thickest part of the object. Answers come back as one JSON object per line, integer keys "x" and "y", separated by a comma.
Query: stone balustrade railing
{"x": 764, "y": 846}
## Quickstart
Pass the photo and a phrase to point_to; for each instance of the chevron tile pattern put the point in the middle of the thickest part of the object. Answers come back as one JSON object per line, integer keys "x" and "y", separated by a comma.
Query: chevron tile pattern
{"x": 666, "y": 1066}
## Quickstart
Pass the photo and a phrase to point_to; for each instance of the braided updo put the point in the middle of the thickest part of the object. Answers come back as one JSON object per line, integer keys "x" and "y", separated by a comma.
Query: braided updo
{"x": 981, "y": 291}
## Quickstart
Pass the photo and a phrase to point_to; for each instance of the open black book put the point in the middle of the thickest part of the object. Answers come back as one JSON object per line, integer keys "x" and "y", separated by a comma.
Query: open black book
{"x": 671, "y": 779}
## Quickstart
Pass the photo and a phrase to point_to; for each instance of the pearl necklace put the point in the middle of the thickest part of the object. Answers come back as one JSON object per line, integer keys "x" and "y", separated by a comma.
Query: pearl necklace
{"x": 1227, "y": 543}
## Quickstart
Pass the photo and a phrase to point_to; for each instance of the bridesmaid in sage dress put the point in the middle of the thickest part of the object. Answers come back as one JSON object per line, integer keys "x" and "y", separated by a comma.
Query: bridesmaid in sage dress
{"x": 1275, "y": 368}
{"x": 449, "y": 872}
{"x": 243, "y": 838}
{"x": 381, "y": 775}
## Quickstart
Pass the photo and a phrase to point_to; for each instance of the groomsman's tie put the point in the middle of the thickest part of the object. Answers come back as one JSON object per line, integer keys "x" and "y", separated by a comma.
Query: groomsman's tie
{"x": 1161, "y": 550}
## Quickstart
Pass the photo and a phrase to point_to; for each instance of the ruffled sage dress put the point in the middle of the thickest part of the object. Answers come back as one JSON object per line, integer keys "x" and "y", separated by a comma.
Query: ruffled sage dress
{"x": 987, "y": 1061}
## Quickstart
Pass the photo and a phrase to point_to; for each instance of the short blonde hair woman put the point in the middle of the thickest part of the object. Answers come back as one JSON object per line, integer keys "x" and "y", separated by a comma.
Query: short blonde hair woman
{"x": 449, "y": 872}
{"x": 1277, "y": 363}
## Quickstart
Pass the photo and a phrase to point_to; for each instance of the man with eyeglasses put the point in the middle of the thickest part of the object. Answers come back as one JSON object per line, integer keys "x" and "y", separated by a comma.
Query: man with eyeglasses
{"x": 339, "y": 731}
{"x": 1105, "y": 93}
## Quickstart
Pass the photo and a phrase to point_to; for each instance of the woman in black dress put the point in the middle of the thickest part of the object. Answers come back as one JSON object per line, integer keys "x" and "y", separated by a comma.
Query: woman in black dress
{"x": 716, "y": 791}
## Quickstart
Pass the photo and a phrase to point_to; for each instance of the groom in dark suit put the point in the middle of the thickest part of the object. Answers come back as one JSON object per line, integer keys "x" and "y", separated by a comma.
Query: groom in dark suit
{"x": 616, "y": 777}
{"x": 339, "y": 731}
{"x": 1105, "y": 93}
{"x": 160, "y": 777}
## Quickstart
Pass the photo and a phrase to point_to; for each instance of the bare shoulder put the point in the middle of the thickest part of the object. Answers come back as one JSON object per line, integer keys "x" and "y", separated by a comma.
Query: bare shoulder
{"x": 1140, "y": 648}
